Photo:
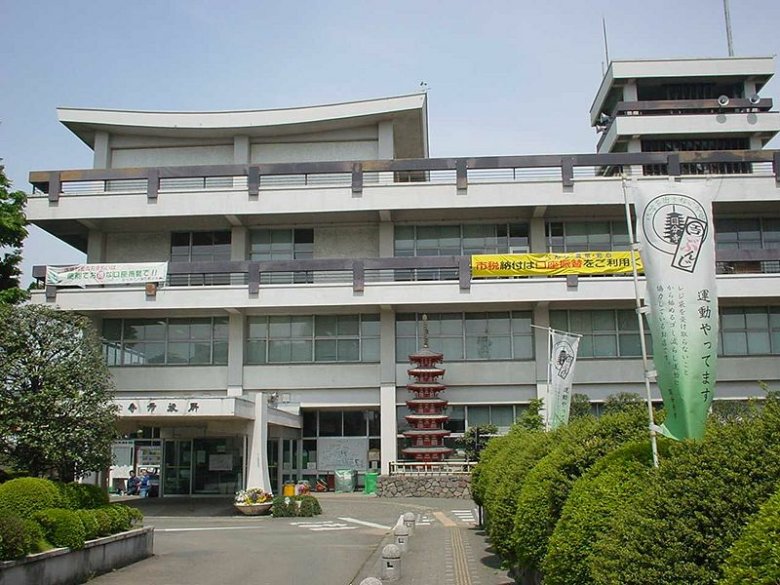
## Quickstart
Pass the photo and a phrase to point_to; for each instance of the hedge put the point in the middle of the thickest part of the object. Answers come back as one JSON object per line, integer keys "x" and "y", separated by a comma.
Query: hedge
{"x": 82, "y": 496}
{"x": 588, "y": 513}
{"x": 295, "y": 506}
{"x": 61, "y": 527}
{"x": 16, "y": 536}
{"x": 543, "y": 494}
{"x": 754, "y": 559}
{"x": 26, "y": 495}
{"x": 679, "y": 527}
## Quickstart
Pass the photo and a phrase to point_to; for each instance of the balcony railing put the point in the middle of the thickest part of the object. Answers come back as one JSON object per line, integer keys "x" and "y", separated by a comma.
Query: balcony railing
{"x": 565, "y": 168}
{"x": 361, "y": 272}
{"x": 432, "y": 469}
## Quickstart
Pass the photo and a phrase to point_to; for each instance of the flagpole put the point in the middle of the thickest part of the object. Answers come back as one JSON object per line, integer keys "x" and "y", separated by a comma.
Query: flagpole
{"x": 641, "y": 310}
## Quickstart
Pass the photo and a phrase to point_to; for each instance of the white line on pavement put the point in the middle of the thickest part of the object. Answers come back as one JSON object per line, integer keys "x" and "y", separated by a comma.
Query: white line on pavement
{"x": 364, "y": 523}
{"x": 205, "y": 529}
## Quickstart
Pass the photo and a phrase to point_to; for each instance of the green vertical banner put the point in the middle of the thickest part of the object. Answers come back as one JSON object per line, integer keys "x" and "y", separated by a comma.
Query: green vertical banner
{"x": 675, "y": 232}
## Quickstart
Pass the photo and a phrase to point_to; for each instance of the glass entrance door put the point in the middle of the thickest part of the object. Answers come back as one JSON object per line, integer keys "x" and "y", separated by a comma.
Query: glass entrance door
{"x": 218, "y": 465}
{"x": 272, "y": 452}
{"x": 177, "y": 471}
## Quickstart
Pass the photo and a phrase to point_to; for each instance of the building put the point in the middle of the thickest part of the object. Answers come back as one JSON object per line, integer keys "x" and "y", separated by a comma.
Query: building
{"x": 303, "y": 247}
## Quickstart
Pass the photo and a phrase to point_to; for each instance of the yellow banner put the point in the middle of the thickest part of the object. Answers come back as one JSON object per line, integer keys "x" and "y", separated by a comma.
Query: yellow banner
{"x": 486, "y": 265}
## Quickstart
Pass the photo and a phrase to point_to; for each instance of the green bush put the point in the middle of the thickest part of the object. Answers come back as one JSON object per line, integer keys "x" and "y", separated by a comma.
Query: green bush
{"x": 15, "y": 538}
{"x": 103, "y": 520}
{"x": 26, "y": 495}
{"x": 588, "y": 512}
{"x": 543, "y": 494}
{"x": 136, "y": 516}
{"x": 91, "y": 527}
{"x": 81, "y": 496}
{"x": 754, "y": 559}
{"x": 679, "y": 527}
{"x": 61, "y": 527}
{"x": 309, "y": 506}
{"x": 119, "y": 516}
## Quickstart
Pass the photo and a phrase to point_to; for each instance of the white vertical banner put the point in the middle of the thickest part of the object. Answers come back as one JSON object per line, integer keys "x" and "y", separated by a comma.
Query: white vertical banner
{"x": 675, "y": 231}
{"x": 563, "y": 356}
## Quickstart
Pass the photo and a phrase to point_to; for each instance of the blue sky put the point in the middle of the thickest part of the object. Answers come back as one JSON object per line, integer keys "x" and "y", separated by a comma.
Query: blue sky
{"x": 504, "y": 77}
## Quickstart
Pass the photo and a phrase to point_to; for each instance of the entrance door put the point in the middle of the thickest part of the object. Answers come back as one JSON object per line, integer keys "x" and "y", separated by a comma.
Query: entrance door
{"x": 289, "y": 460}
{"x": 219, "y": 464}
{"x": 177, "y": 471}
{"x": 272, "y": 452}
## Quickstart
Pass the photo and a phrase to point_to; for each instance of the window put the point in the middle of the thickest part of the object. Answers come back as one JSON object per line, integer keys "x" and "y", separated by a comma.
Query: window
{"x": 749, "y": 331}
{"x": 605, "y": 333}
{"x": 200, "y": 247}
{"x": 312, "y": 338}
{"x": 467, "y": 336}
{"x": 744, "y": 234}
{"x": 340, "y": 423}
{"x": 587, "y": 236}
{"x": 143, "y": 342}
{"x": 679, "y": 145}
{"x": 282, "y": 244}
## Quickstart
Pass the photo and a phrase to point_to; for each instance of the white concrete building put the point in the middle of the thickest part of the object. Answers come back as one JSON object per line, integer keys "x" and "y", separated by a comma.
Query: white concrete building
{"x": 304, "y": 245}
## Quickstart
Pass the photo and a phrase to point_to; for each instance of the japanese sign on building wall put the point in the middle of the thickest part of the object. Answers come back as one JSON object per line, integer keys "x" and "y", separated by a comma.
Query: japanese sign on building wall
{"x": 675, "y": 230}
{"x": 92, "y": 274}
{"x": 487, "y": 265}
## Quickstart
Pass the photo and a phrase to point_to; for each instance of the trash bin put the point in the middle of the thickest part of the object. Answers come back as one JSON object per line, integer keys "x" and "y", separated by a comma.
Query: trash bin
{"x": 345, "y": 480}
{"x": 288, "y": 489}
{"x": 369, "y": 485}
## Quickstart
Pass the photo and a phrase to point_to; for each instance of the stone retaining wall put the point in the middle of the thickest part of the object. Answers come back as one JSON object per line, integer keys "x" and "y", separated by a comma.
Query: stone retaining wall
{"x": 424, "y": 486}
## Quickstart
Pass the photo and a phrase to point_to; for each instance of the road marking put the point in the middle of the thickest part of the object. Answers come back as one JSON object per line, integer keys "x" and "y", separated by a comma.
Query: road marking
{"x": 205, "y": 529}
{"x": 322, "y": 526}
{"x": 465, "y": 516}
{"x": 444, "y": 519}
{"x": 364, "y": 523}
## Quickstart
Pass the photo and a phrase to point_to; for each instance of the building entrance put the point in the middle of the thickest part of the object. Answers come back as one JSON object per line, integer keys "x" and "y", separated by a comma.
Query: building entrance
{"x": 203, "y": 466}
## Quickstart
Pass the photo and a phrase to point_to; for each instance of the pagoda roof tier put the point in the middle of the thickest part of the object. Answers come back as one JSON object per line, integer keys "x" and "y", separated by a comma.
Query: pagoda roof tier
{"x": 436, "y": 401}
{"x": 426, "y": 354}
{"x": 411, "y": 433}
{"x": 424, "y": 450}
{"x": 426, "y": 386}
{"x": 424, "y": 417}
{"x": 426, "y": 371}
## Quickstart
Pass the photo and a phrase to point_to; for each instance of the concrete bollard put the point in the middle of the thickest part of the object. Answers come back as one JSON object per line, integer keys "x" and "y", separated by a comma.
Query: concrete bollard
{"x": 401, "y": 537}
{"x": 370, "y": 581}
{"x": 391, "y": 563}
{"x": 409, "y": 519}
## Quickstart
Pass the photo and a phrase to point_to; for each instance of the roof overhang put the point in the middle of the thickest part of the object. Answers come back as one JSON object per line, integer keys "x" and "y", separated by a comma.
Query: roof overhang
{"x": 408, "y": 114}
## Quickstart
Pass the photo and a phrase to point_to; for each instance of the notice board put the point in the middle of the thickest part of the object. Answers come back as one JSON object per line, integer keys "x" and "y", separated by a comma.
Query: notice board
{"x": 342, "y": 453}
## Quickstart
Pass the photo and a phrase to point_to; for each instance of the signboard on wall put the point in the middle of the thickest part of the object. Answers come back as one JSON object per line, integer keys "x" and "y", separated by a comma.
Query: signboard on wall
{"x": 96, "y": 274}
{"x": 493, "y": 265}
{"x": 342, "y": 453}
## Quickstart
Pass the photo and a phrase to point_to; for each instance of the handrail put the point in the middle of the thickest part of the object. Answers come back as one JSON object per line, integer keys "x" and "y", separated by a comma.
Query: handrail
{"x": 433, "y": 468}
{"x": 50, "y": 182}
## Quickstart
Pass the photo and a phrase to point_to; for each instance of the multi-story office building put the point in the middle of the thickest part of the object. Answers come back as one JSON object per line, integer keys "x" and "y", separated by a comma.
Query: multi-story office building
{"x": 303, "y": 247}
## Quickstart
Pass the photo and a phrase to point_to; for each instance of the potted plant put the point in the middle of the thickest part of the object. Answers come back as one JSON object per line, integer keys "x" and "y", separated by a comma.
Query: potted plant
{"x": 253, "y": 502}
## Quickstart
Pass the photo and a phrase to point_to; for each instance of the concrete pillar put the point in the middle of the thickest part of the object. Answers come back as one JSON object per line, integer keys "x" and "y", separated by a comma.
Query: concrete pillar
{"x": 630, "y": 93}
{"x": 102, "y": 150}
{"x": 96, "y": 247}
{"x": 257, "y": 468}
{"x": 386, "y": 239}
{"x": 536, "y": 235}
{"x": 387, "y": 390}
{"x": 239, "y": 243}
{"x": 235, "y": 368}
{"x": 241, "y": 156}
{"x": 749, "y": 88}
{"x": 401, "y": 533}
{"x": 634, "y": 145}
{"x": 385, "y": 148}
{"x": 391, "y": 563}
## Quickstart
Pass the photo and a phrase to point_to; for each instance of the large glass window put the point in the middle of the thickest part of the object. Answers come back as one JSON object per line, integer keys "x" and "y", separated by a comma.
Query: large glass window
{"x": 467, "y": 336}
{"x": 184, "y": 341}
{"x": 312, "y": 338}
{"x": 605, "y": 333}
{"x": 340, "y": 423}
{"x": 744, "y": 234}
{"x": 211, "y": 246}
{"x": 749, "y": 331}
{"x": 282, "y": 244}
{"x": 457, "y": 240}
{"x": 587, "y": 236}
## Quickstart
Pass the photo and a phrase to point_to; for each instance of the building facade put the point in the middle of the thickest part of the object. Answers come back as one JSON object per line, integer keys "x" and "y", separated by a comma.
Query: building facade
{"x": 303, "y": 247}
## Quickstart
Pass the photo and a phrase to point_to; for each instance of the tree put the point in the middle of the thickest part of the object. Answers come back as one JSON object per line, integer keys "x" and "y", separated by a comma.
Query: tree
{"x": 580, "y": 406}
{"x": 56, "y": 414}
{"x": 475, "y": 439}
{"x": 12, "y": 234}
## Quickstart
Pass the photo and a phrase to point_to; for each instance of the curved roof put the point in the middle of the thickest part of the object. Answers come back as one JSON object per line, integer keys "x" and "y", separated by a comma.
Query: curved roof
{"x": 407, "y": 112}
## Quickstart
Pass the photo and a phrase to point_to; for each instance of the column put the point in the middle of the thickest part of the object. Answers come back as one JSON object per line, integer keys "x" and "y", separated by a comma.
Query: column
{"x": 385, "y": 147}
{"x": 257, "y": 464}
{"x": 387, "y": 390}
{"x": 541, "y": 318}
{"x": 235, "y": 367}
{"x": 96, "y": 247}
{"x": 102, "y": 150}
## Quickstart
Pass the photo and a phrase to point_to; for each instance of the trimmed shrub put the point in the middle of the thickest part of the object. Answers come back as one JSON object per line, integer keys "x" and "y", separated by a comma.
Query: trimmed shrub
{"x": 135, "y": 515}
{"x": 61, "y": 527}
{"x": 26, "y": 495}
{"x": 103, "y": 520}
{"x": 119, "y": 516}
{"x": 82, "y": 496}
{"x": 91, "y": 527}
{"x": 755, "y": 557}
{"x": 680, "y": 525}
{"x": 309, "y": 506}
{"x": 543, "y": 494}
{"x": 15, "y": 538}
{"x": 38, "y": 542}
{"x": 589, "y": 510}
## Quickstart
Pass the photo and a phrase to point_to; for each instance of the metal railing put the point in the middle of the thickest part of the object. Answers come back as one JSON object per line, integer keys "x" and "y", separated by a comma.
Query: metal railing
{"x": 563, "y": 168}
{"x": 432, "y": 469}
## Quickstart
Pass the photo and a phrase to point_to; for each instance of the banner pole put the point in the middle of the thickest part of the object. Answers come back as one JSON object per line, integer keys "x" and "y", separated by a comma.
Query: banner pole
{"x": 641, "y": 310}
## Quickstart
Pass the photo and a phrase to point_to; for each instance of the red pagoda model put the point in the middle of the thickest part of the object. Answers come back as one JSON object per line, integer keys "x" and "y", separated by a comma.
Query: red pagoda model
{"x": 427, "y": 418}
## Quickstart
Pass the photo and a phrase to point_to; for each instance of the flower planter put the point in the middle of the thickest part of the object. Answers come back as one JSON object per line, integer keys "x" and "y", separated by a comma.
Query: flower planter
{"x": 254, "y": 509}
